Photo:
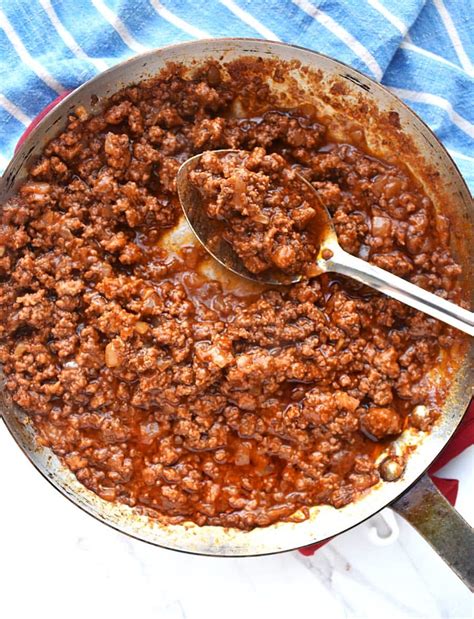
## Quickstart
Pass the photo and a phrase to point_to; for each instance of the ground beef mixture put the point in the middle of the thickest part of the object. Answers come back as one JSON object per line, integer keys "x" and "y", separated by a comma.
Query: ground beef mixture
{"x": 162, "y": 389}
{"x": 266, "y": 211}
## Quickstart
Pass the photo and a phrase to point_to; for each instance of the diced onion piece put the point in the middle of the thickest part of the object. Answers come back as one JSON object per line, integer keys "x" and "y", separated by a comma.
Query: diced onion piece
{"x": 381, "y": 226}
{"x": 141, "y": 327}
{"x": 114, "y": 353}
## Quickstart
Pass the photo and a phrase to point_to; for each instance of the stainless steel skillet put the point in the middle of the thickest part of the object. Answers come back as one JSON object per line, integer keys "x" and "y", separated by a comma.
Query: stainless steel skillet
{"x": 353, "y": 102}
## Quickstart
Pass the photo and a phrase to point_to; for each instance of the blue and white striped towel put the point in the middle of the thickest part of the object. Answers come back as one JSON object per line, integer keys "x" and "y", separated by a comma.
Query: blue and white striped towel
{"x": 421, "y": 49}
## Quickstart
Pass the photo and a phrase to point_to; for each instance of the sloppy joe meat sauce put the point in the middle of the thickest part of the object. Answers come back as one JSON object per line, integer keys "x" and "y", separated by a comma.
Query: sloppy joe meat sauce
{"x": 165, "y": 390}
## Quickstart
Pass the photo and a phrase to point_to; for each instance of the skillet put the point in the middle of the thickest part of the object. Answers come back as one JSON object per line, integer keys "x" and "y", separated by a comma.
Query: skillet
{"x": 350, "y": 97}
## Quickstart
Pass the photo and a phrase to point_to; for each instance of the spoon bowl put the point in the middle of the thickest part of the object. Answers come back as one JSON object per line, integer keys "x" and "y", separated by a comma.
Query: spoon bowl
{"x": 207, "y": 229}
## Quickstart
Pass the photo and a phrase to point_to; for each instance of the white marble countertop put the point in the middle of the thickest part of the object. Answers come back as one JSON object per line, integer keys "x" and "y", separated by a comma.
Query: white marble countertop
{"x": 57, "y": 562}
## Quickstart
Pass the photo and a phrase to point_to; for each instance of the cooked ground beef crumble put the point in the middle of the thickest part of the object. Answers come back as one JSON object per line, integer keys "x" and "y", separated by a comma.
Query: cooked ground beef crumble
{"x": 161, "y": 389}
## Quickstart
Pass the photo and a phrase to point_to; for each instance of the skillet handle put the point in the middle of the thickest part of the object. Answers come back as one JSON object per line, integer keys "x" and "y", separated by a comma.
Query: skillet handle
{"x": 426, "y": 509}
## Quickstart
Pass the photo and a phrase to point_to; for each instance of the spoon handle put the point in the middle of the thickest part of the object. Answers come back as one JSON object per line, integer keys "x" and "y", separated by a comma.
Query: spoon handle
{"x": 398, "y": 288}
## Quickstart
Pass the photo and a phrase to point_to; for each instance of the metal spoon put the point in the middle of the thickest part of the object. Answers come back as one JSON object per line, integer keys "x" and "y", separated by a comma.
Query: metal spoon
{"x": 331, "y": 257}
